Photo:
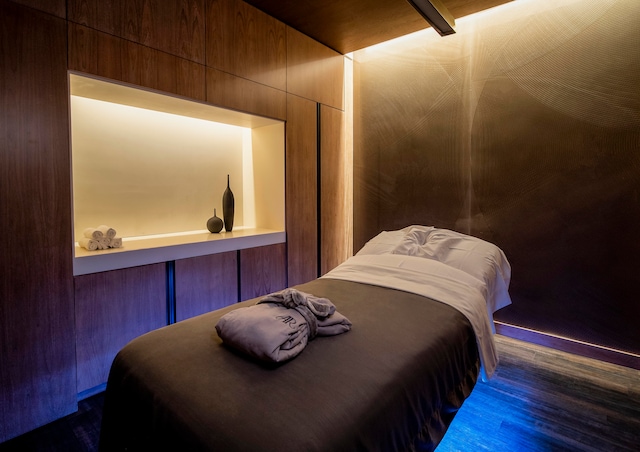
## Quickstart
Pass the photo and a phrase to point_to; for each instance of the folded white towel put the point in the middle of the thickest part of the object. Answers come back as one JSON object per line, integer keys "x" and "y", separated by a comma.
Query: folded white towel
{"x": 107, "y": 231}
{"x": 116, "y": 242}
{"x": 92, "y": 233}
{"x": 88, "y": 243}
{"x": 103, "y": 243}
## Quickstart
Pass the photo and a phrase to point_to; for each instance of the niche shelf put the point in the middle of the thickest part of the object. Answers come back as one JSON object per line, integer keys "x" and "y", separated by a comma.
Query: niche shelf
{"x": 154, "y": 167}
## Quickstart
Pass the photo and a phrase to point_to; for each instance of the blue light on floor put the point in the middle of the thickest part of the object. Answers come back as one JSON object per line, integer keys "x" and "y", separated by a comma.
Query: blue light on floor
{"x": 493, "y": 419}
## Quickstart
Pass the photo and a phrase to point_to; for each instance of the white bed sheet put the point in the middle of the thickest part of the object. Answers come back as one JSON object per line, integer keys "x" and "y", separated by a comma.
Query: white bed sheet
{"x": 433, "y": 279}
{"x": 476, "y": 257}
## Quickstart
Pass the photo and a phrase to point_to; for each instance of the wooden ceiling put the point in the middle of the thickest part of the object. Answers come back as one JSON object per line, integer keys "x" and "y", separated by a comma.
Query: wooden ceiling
{"x": 349, "y": 25}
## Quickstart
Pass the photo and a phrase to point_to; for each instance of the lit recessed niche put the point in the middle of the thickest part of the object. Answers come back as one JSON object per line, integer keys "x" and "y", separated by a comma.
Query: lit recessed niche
{"x": 154, "y": 167}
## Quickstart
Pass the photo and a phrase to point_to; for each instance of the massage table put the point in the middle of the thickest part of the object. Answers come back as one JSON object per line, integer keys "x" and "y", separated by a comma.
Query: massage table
{"x": 393, "y": 382}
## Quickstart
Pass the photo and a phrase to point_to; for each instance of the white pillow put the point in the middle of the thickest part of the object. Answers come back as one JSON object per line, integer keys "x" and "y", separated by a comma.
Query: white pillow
{"x": 476, "y": 257}
{"x": 383, "y": 243}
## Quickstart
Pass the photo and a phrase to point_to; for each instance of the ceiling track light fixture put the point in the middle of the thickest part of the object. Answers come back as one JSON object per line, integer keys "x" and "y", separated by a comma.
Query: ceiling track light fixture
{"x": 436, "y": 14}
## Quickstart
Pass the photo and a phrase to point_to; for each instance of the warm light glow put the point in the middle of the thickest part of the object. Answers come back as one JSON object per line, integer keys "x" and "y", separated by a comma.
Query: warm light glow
{"x": 248, "y": 191}
{"x": 268, "y": 169}
{"x": 507, "y": 13}
{"x": 148, "y": 172}
{"x": 347, "y": 245}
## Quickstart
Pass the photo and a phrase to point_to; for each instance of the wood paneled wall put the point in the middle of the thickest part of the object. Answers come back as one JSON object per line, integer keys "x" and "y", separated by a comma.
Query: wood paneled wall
{"x": 237, "y": 93}
{"x": 111, "y": 309}
{"x": 308, "y": 60}
{"x": 98, "y": 53}
{"x": 244, "y": 41}
{"x": 301, "y": 191}
{"x": 222, "y": 52}
{"x": 176, "y": 27}
{"x": 36, "y": 287}
{"x": 263, "y": 270}
{"x": 205, "y": 283}
{"x": 335, "y": 199}
{"x": 55, "y": 7}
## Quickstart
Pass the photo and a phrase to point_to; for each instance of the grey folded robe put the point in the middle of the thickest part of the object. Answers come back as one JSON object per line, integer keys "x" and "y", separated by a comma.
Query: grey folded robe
{"x": 268, "y": 331}
{"x": 280, "y": 325}
{"x": 311, "y": 307}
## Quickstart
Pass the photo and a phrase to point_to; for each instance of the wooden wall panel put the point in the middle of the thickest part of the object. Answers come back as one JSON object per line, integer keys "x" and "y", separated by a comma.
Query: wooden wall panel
{"x": 55, "y": 7}
{"x": 113, "y": 308}
{"x": 335, "y": 199}
{"x": 37, "y": 359}
{"x": 314, "y": 71}
{"x": 176, "y": 27}
{"x": 301, "y": 193}
{"x": 205, "y": 283}
{"x": 237, "y": 93}
{"x": 244, "y": 41}
{"x": 150, "y": 43}
{"x": 263, "y": 270}
{"x": 114, "y": 58}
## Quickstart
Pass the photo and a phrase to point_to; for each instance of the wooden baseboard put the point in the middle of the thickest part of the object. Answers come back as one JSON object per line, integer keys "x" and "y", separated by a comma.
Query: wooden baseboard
{"x": 575, "y": 347}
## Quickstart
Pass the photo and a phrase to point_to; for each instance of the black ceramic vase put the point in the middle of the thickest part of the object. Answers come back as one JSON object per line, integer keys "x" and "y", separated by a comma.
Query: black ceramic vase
{"x": 228, "y": 207}
{"x": 214, "y": 224}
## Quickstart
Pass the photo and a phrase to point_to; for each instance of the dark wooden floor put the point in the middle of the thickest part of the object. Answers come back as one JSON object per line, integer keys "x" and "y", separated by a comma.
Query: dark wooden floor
{"x": 539, "y": 400}
{"x": 544, "y": 400}
{"x": 78, "y": 432}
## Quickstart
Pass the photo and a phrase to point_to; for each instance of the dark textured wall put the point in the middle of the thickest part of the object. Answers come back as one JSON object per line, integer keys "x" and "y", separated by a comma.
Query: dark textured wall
{"x": 523, "y": 129}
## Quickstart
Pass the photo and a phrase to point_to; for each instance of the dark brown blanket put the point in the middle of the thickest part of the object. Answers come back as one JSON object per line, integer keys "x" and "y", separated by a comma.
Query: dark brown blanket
{"x": 394, "y": 382}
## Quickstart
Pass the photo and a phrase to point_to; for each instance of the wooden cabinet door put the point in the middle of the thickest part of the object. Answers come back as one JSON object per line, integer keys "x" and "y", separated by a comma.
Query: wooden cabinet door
{"x": 113, "y": 308}
{"x": 262, "y": 270}
{"x": 314, "y": 71}
{"x": 243, "y": 41}
{"x": 302, "y": 189}
{"x": 37, "y": 362}
{"x": 105, "y": 55}
{"x": 205, "y": 283}
{"x": 175, "y": 27}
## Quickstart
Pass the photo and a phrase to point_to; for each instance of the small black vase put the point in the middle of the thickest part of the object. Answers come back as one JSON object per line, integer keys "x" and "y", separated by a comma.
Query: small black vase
{"x": 214, "y": 224}
{"x": 228, "y": 207}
